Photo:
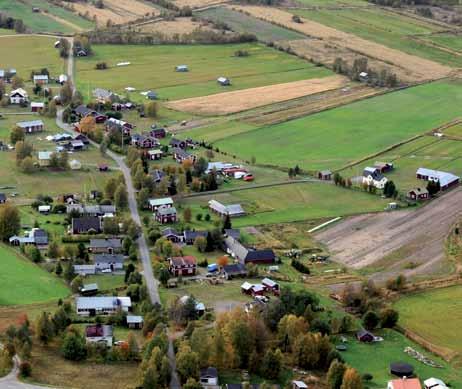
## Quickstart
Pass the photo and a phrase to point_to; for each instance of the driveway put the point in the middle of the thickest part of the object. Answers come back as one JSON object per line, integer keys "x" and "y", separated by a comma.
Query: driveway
{"x": 11, "y": 380}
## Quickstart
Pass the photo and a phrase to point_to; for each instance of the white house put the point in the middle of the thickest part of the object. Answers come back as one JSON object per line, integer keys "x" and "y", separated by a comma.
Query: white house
{"x": 18, "y": 96}
{"x": 40, "y": 79}
{"x": 92, "y": 306}
{"x": 374, "y": 177}
{"x": 209, "y": 377}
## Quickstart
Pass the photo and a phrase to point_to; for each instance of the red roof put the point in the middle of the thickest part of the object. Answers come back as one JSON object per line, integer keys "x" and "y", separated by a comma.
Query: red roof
{"x": 406, "y": 383}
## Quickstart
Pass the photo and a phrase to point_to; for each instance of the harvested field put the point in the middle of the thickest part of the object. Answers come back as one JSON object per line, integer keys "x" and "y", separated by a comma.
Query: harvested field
{"x": 414, "y": 67}
{"x": 237, "y": 101}
{"x": 177, "y": 26}
{"x": 117, "y": 11}
{"x": 198, "y": 3}
{"x": 387, "y": 243}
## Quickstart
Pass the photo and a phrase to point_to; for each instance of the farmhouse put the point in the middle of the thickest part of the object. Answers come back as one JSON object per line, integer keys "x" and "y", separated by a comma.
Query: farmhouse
{"x": 181, "y": 68}
{"x": 18, "y": 96}
{"x": 135, "y": 322}
{"x": 446, "y": 180}
{"x": 185, "y": 266}
{"x": 112, "y": 262}
{"x": 99, "y": 333}
{"x": 271, "y": 286}
{"x": 166, "y": 214}
{"x": 144, "y": 141}
{"x": 40, "y": 79}
{"x": 252, "y": 289}
{"x": 83, "y": 111}
{"x": 248, "y": 255}
{"x": 157, "y": 132}
{"x": 209, "y": 377}
{"x": 86, "y": 225}
{"x": 92, "y": 210}
{"x": 157, "y": 175}
{"x": 181, "y": 155}
{"x": 417, "y": 194}
{"x": 105, "y": 246}
{"x": 223, "y": 81}
{"x": 374, "y": 177}
{"x": 36, "y": 237}
{"x": 113, "y": 124}
{"x": 177, "y": 143}
{"x": 172, "y": 235}
{"x": 31, "y": 126}
{"x": 154, "y": 204}
{"x": 89, "y": 289}
{"x": 36, "y": 106}
{"x": 404, "y": 383}
{"x": 44, "y": 158}
{"x": 234, "y": 270}
{"x": 190, "y": 236}
{"x": 365, "y": 336}
{"x": 155, "y": 154}
{"x": 104, "y": 95}
{"x": 92, "y": 306}
{"x": 233, "y": 210}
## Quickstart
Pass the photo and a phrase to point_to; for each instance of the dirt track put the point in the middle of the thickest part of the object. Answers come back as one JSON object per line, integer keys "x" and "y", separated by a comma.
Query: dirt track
{"x": 241, "y": 100}
{"x": 389, "y": 242}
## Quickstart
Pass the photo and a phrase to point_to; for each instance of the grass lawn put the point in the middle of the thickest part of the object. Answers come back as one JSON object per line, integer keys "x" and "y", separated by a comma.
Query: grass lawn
{"x": 26, "y": 53}
{"x": 51, "y": 19}
{"x": 440, "y": 324}
{"x": 384, "y": 27}
{"x": 375, "y": 359}
{"x": 333, "y": 138}
{"x": 106, "y": 282}
{"x": 24, "y": 282}
{"x": 295, "y": 202}
{"x": 427, "y": 151}
{"x": 239, "y": 22}
{"x": 155, "y": 69}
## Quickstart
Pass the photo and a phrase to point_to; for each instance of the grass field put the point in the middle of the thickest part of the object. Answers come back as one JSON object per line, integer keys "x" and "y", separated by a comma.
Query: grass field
{"x": 154, "y": 67}
{"x": 333, "y": 138}
{"x": 26, "y": 53}
{"x": 451, "y": 41}
{"x": 428, "y": 151}
{"x": 25, "y": 283}
{"x": 330, "y": 3}
{"x": 375, "y": 359}
{"x": 264, "y": 31}
{"x": 295, "y": 202}
{"x": 384, "y": 27}
{"x": 441, "y": 324}
{"x": 51, "y": 19}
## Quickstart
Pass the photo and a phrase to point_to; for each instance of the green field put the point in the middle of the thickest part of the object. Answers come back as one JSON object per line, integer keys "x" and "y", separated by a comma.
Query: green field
{"x": 451, "y": 41}
{"x": 239, "y": 22}
{"x": 334, "y": 138}
{"x": 440, "y": 324}
{"x": 295, "y": 202}
{"x": 330, "y": 3}
{"x": 60, "y": 21}
{"x": 375, "y": 359}
{"x": 427, "y": 151}
{"x": 384, "y": 27}
{"x": 25, "y": 283}
{"x": 26, "y": 53}
{"x": 152, "y": 68}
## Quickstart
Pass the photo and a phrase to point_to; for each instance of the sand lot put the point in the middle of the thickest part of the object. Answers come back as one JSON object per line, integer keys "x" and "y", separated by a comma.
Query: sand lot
{"x": 237, "y": 101}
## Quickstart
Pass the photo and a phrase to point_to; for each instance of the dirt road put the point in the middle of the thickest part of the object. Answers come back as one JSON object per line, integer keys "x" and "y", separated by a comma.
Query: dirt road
{"x": 409, "y": 242}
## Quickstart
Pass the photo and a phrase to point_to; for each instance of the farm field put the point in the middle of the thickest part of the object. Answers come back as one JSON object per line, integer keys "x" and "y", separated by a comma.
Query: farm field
{"x": 369, "y": 24}
{"x": 239, "y": 22}
{"x": 177, "y": 26}
{"x": 450, "y": 41}
{"x": 24, "y": 282}
{"x": 198, "y": 3}
{"x": 263, "y": 66}
{"x": 237, "y": 101}
{"x": 406, "y": 65}
{"x": 375, "y": 359}
{"x": 294, "y": 202}
{"x": 51, "y": 18}
{"x": 116, "y": 11}
{"x": 324, "y": 140}
{"x": 335, "y": 3}
{"x": 428, "y": 151}
{"x": 454, "y": 131}
{"x": 40, "y": 54}
{"x": 433, "y": 324}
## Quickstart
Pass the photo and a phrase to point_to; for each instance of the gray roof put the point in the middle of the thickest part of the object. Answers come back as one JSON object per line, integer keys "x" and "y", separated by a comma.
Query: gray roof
{"x": 192, "y": 235}
{"x": 231, "y": 210}
{"x": 443, "y": 178}
{"x": 106, "y": 243}
{"x": 109, "y": 258}
{"x": 91, "y": 209}
{"x": 85, "y": 269}
{"x": 164, "y": 210}
{"x": 159, "y": 202}
{"x": 132, "y": 319}
{"x": 86, "y": 287}
{"x": 30, "y": 123}
{"x": 101, "y": 302}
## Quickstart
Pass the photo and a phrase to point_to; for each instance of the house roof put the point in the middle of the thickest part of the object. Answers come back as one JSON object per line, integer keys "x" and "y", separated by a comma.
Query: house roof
{"x": 40, "y": 77}
{"x": 132, "y": 319}
{"x": 406, "y": 383}
{"x": 85, "y": 269}
{"x": 98, "y": 331}
{"x": 109, "y": 258}
{"x": 2, "y": 196}
{"x": 159, "y": 202}
{"x": 87, "y": 287}
{"x": 106, "y": 243}
{"x": 233, "y": 232}
{"x": 246, "y": 285}
{"x": 170, "y": 231}
{"x": 37, "y": 104}
{"x": 300, "y": 384}
{"x": 163, "y": 210}
{"x": 231, "y": 210}
{"x": 45, "y": 155}
{"x": 187, "y": 260}
{"x": 419, "y": 191}
{"x": 210, "y": 372}
{"x": 192, "y": 235}
{"x": 260, "y": 255}
{"x": 30, "y": 123}
{"x": 444, "y": 178}
{"x": 235, "y": 268}
{"x": 155, "y": 152}
{"x": 362, "y": 332}
{"x": 268, "y": 282}
{"x": 83, "y": 110}
{"x": 86, "y": 303}
{"x": 179, "y": 152}
{"x": 86, "y": 223}
{"x": 434, "y": 383}
{"x": 18, "y": 91}
{"x": 91, "y": 209}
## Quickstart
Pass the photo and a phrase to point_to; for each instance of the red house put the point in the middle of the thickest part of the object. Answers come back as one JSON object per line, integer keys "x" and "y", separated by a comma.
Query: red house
{"x": 271, "y": 286}
{"x": 184, "y": 266}
{"x": 417, "y": 194}
{"x": 158, "y": 133}
{"x": 166, "y": 214}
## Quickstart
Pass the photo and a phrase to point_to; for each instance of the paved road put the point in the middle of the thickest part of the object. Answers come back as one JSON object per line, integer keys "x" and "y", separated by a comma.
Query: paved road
{"x": 11, "y": 380}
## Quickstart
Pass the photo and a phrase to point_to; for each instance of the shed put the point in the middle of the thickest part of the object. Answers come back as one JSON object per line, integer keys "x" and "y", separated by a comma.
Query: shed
{"x": 89, "y": 289}
{"x": 36, "y": 106}
{"x": 44, "y": 208}
{"x": 325, "y": 175}
{"x": 365, "y": 336}
{"x": 135, "y": 322}
{"x": 224, "y": 81}
{"x": 182, "y": 68}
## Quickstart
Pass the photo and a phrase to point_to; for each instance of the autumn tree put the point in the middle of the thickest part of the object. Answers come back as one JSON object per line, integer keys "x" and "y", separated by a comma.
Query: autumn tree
{"x": 187, "y": 215}
{"x": 10, "y": 221}
{"x": 121, "y": 197}
{"x": 150, "y": 109}
{"x": 335, "y": 374}
{"x": 351, "y": 379}
{"x": 87, "y": 125}
{"x": 187, "y": 363}
{"x": 16, "y": 135}
{"x": 110, "y": 188}
{"x": 23, "y": 149}
{"x": 44, "y": 329}
{"x": 289, "y": 329}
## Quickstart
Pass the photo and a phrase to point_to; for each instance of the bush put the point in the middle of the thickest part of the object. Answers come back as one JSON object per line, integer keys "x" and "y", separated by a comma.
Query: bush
{"x": 25, "y": 369}
{"x": 300, "y": 266}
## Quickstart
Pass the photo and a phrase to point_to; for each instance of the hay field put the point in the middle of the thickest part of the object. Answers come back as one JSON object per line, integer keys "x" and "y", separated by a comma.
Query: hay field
{"x": 198, "y": 3}
{"x": 172, "y": 27}
{"x": 237, "y": 101}
{"x": 117, "y": 11}
{"x": 421, "y": 69}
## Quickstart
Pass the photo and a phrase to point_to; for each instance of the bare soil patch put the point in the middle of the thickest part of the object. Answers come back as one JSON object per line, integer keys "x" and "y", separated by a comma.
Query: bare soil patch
{"x": 177, "y": 26}
{"x": 117, "y": 11}
{"x": 332, "y": 41}
{"x": 237, "y": 101}
{"x": 390, "y": 242}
